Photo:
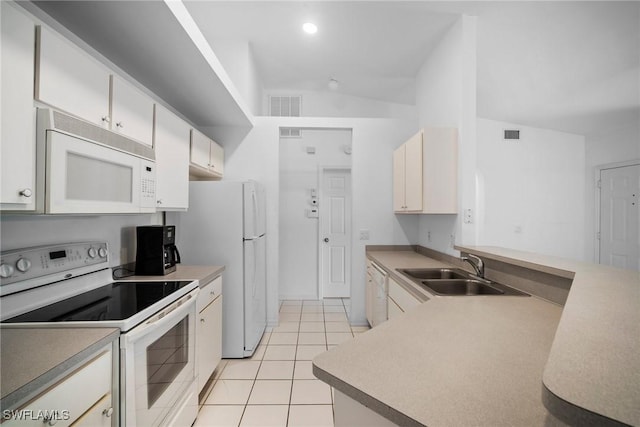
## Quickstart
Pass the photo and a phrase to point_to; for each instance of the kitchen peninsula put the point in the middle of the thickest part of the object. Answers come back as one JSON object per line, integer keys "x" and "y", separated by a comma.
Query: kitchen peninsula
{"x": 499, "y": 360}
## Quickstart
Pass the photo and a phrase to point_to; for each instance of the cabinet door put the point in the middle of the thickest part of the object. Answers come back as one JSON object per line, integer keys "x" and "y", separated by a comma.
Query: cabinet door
{"x": 399, "y": 179}
{"x": 209, "y": 340}
{"x": 131, "y": 111}
{"x": 172, "y": 160}
{"x": 200, "y": 149}
{"x": 71, "y": 80}
{"x": 402, "y": 297}
{"x": 216, "y": 158}
{"x": 413, "y": 173}
{"x": 392, "y": 309}
{"x": 17, "y": 143}
{"x": 440, "y": 170}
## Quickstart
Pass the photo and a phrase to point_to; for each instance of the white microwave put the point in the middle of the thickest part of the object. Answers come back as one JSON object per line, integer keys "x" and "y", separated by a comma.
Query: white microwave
{"x": 85, "y": 169}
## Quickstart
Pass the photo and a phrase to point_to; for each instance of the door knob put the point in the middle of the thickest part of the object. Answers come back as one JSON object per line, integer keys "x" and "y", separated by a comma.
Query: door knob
{"x": 326, "y": 240}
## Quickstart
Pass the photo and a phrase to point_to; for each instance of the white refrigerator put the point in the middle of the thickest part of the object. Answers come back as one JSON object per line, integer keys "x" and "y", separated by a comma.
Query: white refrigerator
{"x": 225, "y": 225}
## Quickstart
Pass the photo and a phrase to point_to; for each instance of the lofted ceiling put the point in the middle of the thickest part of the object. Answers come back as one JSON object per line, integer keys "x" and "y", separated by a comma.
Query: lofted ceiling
{"x": 565, "y": 65}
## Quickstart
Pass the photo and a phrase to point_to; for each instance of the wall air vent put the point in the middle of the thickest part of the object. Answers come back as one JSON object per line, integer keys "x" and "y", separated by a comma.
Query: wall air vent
{"x": 290, "y": 133}
{"x": 285, "y": 106}
{"x": 511, "y": 134}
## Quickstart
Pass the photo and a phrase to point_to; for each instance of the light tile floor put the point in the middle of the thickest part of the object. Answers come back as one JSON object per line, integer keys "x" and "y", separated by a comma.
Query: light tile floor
{"x": 276, "y": 387}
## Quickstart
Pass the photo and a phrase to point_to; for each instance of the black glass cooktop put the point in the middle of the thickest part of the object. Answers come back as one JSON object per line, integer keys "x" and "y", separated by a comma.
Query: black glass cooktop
{"x": 115, "y": 301}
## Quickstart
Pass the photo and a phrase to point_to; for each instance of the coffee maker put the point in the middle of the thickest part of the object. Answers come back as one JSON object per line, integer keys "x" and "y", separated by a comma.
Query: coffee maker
{"x": 156, "y": 253}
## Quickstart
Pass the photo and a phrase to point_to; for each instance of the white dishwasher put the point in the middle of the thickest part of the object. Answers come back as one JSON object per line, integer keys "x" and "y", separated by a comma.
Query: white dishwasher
{"x": 380, "y": 285}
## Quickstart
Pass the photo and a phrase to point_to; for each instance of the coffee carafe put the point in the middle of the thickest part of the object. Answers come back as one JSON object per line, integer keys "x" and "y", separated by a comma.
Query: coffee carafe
{"x": 156, "y": 253}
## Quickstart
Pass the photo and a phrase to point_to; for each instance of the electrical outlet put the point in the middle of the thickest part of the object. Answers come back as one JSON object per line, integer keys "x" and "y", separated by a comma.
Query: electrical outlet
{"x": 429, "y": 236}
{"x": 452, "y": 240}
{"x": 468, "y": 216}
{"x": 364, "y": 234}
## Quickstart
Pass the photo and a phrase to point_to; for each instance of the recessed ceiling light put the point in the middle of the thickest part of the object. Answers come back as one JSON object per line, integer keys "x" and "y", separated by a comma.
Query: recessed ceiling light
{"x": 310, "y": 28}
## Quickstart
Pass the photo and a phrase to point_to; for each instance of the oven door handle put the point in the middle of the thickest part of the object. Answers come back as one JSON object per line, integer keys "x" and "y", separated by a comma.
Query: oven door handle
{"x": 168, "y": 316}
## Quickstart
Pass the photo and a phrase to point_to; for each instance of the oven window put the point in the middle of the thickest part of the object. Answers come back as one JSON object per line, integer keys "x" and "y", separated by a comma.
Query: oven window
{"x": 165, "y": 359}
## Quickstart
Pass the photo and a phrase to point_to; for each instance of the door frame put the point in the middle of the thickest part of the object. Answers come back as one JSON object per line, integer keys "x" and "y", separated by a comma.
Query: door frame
{"x": 596, "y": 183}
{"x": 322, "y": 169}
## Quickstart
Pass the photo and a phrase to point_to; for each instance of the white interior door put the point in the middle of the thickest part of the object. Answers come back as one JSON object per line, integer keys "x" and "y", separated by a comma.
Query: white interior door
{"x": 335, "y": 234}
{"x": 619, "y": 217}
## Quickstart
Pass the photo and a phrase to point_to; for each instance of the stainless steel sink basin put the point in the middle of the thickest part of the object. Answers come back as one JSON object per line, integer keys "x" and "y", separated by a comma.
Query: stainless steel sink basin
{"x": 456, "y": 282}
{"x": 434, "y": 273}
{"x": 461, "y": 287}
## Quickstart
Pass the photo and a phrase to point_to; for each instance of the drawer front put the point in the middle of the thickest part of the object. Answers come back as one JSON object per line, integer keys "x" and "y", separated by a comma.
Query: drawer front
{"x": 69, "y": 399}
{"x": 401, "y": 297}
{"x": 101, "y": 415}
{"x": 208, "y": 293}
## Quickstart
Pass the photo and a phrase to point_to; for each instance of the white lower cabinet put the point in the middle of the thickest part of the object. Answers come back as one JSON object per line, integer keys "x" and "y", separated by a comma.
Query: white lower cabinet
{"x": 209, "y": 331}
{"x": 350, "y": 413}
{"x": 370, "y": 294}
{"x": 400, "y": 300}
{"x": 82, "y": 398}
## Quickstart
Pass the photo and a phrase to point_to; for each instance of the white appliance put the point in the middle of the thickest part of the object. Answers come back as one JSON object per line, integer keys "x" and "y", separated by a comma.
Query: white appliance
{"x": 225, "y": 225}
{"x": 70, "y": 285}
{"x": 381, "y": 289}
{"x": 83, "y": 168}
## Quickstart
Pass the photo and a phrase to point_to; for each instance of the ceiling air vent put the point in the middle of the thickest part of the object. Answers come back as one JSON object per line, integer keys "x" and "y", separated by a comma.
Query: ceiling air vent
{"x": 285, "y": 106}
{"x": 290, "y": 133}
{"x": 511, "y": 134}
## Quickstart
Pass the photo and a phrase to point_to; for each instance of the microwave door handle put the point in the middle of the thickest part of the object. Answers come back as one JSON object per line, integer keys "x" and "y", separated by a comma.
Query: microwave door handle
{"x": 176, "y": 254}
{"x": 172, "y": 313}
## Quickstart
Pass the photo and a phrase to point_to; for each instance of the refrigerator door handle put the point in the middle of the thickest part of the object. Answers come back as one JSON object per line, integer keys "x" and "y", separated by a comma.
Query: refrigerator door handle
{"x": 256, "y": 212}
{"x": 255, "y": 269}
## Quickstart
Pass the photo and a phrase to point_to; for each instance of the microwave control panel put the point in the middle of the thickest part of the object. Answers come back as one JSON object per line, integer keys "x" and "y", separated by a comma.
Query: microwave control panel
{"x": 148, "y": 186}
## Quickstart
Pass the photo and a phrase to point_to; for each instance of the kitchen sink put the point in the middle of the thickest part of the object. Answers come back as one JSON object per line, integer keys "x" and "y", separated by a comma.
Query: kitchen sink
{"x": 456, "y": 282}
{"x": 461, "y": 287}
{"x": 434, "y": 273}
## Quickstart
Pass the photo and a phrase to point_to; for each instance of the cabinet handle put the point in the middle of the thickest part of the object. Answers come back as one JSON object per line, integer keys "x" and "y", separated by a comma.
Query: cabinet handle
{"x": 107, "y": 412}
{"x": 50, "y": 421}
{"x": 120, "y": 125}
{"x": 160, "y": 201}
{"x": 26, "y": 192}
{"x": 106, "y": 119}
{"x": 201, "y": 320}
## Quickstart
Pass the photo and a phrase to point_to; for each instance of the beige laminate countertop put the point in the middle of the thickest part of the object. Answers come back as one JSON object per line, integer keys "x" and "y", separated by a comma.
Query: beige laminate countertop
{"x": 481, "y": 360}
{"x": 31, "y": 359}
{"x": 203, "y": 273}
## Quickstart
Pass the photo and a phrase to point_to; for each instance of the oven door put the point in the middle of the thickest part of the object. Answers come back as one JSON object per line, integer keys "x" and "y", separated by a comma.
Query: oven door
{"x": 158, "y": 364}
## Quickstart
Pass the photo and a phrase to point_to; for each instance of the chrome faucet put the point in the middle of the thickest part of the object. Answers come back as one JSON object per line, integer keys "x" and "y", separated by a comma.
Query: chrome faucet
{"x": 476, "y": 263}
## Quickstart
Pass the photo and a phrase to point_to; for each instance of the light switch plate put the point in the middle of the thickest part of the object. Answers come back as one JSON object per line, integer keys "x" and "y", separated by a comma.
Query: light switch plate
{"x": 364, "y": 234}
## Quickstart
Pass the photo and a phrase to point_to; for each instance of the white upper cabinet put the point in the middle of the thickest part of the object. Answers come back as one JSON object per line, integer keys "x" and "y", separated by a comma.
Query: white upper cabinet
{"x": 17, "y": 122}
{"x": 207, "y": 157}
{"x": 131, "y": 111}
{"x": 172, "y": 160}
{"x": 425, "y": 173}
{"x": 71, "y": 80}
{"x": 407, "y": 176}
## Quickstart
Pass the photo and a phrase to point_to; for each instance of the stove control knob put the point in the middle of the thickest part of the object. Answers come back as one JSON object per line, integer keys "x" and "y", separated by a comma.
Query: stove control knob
{"x": 6, "y": 270}
{"x": 92, "y": 252}
{"x": 23, "y": 265}
{"x": 102, "y": 252}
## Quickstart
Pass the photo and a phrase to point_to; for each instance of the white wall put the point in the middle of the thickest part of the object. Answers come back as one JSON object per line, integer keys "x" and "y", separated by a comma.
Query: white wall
{"x": 299, "y": 234}
{"x": 237, "y": 59}
{"x": 336, "y": 104}
{"x": 119, "y": 231}
{"x": 256, "y": 156}
{"x": 446, "y": 91}
{"x": 531, "y": 191}
{"x": 611, "y": 146}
